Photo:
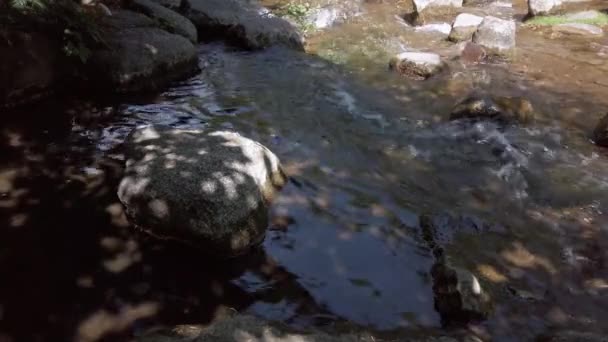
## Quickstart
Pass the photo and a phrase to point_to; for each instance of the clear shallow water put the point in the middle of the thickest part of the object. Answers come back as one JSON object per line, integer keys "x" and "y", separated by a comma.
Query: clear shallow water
{"x": 368, "y": 152}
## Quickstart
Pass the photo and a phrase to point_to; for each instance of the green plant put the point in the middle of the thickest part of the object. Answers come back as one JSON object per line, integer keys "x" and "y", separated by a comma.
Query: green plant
{"x": 298, "y": 12}
{"x": 600, "y": 20}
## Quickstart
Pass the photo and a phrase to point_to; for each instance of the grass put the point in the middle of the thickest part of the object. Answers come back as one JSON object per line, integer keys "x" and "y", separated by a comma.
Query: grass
{"x": 600, "y": 20}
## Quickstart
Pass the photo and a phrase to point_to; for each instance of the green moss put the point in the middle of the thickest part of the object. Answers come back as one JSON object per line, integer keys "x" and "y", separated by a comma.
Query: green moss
{"x": 600, "y": 20}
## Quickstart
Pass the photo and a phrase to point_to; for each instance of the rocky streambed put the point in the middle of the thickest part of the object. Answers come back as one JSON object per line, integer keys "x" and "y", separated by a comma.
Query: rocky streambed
{"x": 461, "y": 201}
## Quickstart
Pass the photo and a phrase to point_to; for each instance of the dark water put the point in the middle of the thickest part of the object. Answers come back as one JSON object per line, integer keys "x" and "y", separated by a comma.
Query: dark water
{"x": 368, "y": 153}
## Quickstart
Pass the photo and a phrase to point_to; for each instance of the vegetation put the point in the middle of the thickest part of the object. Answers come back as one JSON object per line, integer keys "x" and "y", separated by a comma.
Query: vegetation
{"x": 298, "y": 13}
{"x": 63, "y": 20}
{"x": 600, "y": 20}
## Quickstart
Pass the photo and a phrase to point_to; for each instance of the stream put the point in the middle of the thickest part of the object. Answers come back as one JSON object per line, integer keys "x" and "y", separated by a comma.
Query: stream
{"x": 524, "y": 207}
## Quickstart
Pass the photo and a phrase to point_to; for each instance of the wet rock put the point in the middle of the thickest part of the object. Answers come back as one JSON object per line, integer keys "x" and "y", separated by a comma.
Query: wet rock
{"x": 208, "y": 190}
{"x": 171, "y": 4}
{"x": 242, "y": 23}
{"x": 464, "y": 27}
{"x": 472, "y": 53}
{"x": 248, "y": 328}
{"x": 600, "y": 134}
{"x": 459, "y": 296}
{"x": 417, "y": 65}
{"x": 442, "y": 29}
{"x": 170, "y": 20}
{"x": 137, "y": 55}
{"x": 541, "y": 7}
{"x": 571, "y": 336}
{"x": 30, "y": 67}
{"x": 421, "y": 5}
{"x": 496, "y": 35}
{"x": 502, "y": 109}
{"x": 578, "y": 29}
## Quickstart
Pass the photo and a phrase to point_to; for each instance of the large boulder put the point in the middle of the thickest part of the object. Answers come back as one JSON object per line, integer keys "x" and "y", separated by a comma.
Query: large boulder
{"x": 501, "y": 109}
{"x": 30, "y": 67}
{"x": 169, "y": 19}
{"x": 417, "y": 65}
{"x": 496, "y": 35}
{"x": 541, "y": 7}
{"x": 242, "y": 23}
{"x": 210, "y": 190}
{"x": 137, "y": 55}
{"x": 464, "y": 27}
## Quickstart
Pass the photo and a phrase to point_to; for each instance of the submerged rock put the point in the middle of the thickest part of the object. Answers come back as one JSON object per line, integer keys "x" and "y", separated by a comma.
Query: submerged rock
{"x": 464, "y": 27}
{"x": 578, "y": 29}
{"x": 502, "y": 109}
{"x": 417, "y": 65}
{"x": 242, "y": 23}
{"x": 600, "y": 134}
{"x": 172, "y": 21}
{"x": 138, "y": 55}
{"x": 572, "y": 336}
{"x": 472, "y": 53}
{"x": 208, "y": 190}
{"x": 496, "y": 34}
{"x": 459, "y": 296}
{"x": 540, "y": 7}
{"x": 241, "y": 328}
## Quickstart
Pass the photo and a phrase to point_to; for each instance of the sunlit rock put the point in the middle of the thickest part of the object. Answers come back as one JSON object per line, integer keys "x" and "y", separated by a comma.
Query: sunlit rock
{"x": 496, "y": 34}
{"x": 421, "y": 5}
{"x": 539, "y": 7}
{"x": 417, "y": 65}
{"x": 206, "y": 189}
{"x": 578, "y": 29}
{"x": 464, "y": 27}
{"x": 332, "y": 12}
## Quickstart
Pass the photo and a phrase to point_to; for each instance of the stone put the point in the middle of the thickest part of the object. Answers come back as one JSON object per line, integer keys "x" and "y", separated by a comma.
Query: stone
{"x": 600, "y": 134}
{"x": 464, "y": 27}
{"x": 421, "y": 5}
{"x": 496, "y": 35}
{"x": 578, "y": 29}
{"x": 243, "y": 24}
{"x": 417, "y": 65}
{"x": 170, "y": 4}
{"x": 458, "y": 295}
{"x": 210, "y": 190}
{"x": 584, "y": 15}
{"x": 472, "y": 53}
{"x": 501, "y": 109}
{"x": 542, "y": 7}
{"x": 437, "y": 28}
{"x": 30, "y": 65}
{"x": 571, "y": 336}
{"x": 141, "y": 58}
{"x": 168, "y": 19}
{"x": 240, "y": 328}
{"x": 333, "y": 13}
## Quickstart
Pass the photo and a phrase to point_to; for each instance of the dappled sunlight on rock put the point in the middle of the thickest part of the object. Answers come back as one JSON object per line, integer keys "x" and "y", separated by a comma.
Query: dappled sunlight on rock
{"x": 102, "y": 323}
{"x": 491, "y": 274}
{"x": 519, "y": 256}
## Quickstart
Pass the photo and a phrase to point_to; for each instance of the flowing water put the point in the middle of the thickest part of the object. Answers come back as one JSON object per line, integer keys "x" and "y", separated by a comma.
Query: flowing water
{"x": 521, "y": 206}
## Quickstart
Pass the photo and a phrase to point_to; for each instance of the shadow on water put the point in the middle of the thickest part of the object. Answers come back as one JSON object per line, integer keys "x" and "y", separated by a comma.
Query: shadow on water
{"x": 366, "y": 159}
